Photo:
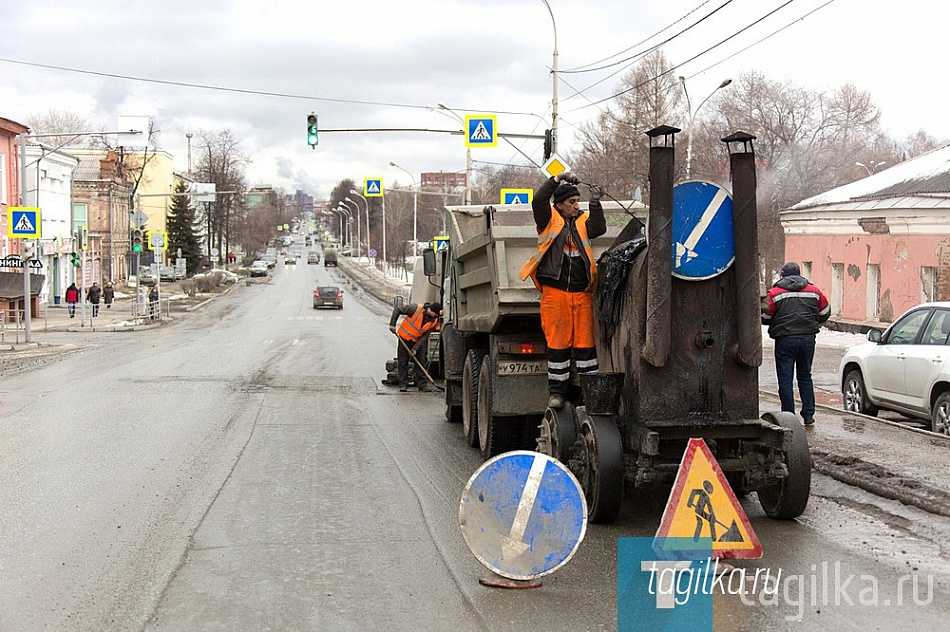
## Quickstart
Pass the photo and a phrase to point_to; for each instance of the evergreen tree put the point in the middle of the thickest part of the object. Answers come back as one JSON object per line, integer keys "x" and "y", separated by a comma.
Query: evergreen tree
{"x": 182, "y": 228}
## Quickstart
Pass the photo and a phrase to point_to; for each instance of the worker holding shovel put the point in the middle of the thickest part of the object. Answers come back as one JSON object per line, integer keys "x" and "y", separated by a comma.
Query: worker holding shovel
{"x": 417, "y": 322}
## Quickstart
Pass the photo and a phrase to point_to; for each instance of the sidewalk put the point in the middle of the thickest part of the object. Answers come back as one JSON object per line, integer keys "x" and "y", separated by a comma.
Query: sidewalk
{"x": 120, "y": 316}
{"x": 373, "y": 281}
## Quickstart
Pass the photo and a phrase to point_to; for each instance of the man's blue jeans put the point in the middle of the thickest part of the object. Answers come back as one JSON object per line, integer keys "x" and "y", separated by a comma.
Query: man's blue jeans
{"x": 793, "y": 355}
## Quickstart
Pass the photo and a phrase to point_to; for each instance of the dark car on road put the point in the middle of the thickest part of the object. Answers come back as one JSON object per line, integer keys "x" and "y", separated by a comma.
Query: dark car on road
{"x": 328, "y": 296}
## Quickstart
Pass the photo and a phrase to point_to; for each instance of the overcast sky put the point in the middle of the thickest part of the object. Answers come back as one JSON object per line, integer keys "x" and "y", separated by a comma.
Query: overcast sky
{"x": 379, "y": 63}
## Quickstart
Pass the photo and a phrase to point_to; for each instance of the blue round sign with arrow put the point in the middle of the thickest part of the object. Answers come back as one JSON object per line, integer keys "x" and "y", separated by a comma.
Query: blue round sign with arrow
{"x": 703, "y": 241}
{"x": 523, "y": 514}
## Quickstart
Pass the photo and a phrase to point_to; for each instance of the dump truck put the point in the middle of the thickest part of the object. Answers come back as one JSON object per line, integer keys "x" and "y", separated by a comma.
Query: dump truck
{"x": 493, "y": 349}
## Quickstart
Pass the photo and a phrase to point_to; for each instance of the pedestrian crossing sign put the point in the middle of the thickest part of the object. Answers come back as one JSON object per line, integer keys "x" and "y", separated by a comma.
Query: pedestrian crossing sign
{"x": 373, "y": 187}
{"x": 516, "y": 196}
{"x": 157, "y": 240}
{"x": 702, "y": 506}
{"x": 23, "y": 222}
{"x": 481, "y": 130}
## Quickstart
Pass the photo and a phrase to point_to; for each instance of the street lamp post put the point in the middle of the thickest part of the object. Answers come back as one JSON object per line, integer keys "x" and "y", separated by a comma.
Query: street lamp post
{"x": 692, "y": 115}
{"x": 359, "y": 236}
{"x": 554, "y": 77}
{"x": 369, "y": 246}
{"x": 343, "y": 210}
{"x": 468, "y": 152}
{"x": 415, "y": 208}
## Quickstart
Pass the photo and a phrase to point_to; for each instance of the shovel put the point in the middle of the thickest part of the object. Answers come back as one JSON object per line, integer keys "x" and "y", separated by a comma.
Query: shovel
{"x": 418, "y": 364}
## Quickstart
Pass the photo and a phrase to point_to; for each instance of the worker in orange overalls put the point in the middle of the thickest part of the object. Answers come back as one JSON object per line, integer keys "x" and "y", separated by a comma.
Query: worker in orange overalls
{"x": 566, "y": 273}
{"x": 417, "y": 322}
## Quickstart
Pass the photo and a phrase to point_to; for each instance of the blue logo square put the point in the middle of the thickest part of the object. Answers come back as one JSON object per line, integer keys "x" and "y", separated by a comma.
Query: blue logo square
{"x": 665, "y": 585}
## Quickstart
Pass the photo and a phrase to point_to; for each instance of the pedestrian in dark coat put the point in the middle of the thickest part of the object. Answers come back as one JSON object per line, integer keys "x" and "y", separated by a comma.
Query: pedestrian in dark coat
{"x": 72, "y": 297}
{"x": 795, "y": 311}
{"x": 94, "y": 295}
{"x": 108, "y": 294}
{"x": 153, "y": 302}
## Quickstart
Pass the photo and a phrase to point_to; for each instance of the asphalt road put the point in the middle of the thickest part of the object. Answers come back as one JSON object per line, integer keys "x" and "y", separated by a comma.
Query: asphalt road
{"x": 244, "y": 469}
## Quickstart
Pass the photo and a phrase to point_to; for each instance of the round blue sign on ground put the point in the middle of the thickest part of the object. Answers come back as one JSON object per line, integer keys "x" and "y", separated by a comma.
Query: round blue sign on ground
{"x": 523, "y": 514}
{"x": 703, "y": 241}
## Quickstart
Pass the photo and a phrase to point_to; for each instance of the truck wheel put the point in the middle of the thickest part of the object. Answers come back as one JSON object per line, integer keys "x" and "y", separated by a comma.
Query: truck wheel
{"x": 470, "y": 371}
{"x": 495, "y": 434}
{"x": 598, "y": 465}
{"x": 855, "y": 394}
{"x": 453, "y": 414}
{"x": 786, "y": 498}
{"x": 558, "y": 432}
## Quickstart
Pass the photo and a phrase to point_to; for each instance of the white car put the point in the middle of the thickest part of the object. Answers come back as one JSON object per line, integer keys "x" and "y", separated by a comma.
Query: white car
{"x": 259, "y": 268}
{"x": 905, "y": 369}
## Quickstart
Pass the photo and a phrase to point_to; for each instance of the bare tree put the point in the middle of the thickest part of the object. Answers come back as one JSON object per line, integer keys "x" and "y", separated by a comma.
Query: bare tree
{"x": 64, "y": 127}
{"x": 614, "y": 152}
{"x": 222, "y": 162}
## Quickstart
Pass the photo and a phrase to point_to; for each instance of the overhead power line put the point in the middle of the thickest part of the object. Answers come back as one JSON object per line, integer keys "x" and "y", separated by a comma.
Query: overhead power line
{"x": 643, "y": 41}
{"x": 281, "y": 95}
{"x": 693, "y": 58}
{"x": 655, "y": 46}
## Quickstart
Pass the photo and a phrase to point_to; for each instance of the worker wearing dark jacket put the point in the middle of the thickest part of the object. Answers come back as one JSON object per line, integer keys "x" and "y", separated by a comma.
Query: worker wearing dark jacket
{"x": 414, "y": 329}
{"x": 795, "y": 310}
{"x": 566, "y": 273}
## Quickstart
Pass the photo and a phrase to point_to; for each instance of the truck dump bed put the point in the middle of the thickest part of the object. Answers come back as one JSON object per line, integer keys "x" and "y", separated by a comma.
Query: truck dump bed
{"x": 489, "y": 245}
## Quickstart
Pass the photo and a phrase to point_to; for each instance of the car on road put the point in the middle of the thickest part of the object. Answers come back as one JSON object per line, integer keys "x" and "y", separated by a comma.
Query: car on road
{"x": 905, "y": 369}
{"x": 313, "y": 257}
{"x": 328, "y": 296}
{"x": 291, "y": 258}
{"x": 259, "y": 268}
{"x": 270, "y": 260}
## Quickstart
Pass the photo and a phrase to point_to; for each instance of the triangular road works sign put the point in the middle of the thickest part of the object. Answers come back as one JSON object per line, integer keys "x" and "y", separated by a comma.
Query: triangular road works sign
{"x": 702, "y": 505}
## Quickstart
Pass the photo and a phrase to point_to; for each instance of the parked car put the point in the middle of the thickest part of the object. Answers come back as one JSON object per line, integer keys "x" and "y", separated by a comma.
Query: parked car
{"x": 224, "y": 277}
{"x": 328, "y": 296}
{"x": 904, "y": 369}
{"x": 313, "y": 257}
{"x": 259, "y": 268}
{"x": 270, "y": 260}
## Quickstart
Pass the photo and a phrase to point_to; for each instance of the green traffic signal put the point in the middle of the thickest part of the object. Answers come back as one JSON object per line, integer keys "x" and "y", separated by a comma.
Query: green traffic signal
{"x": 312, "y": 138}
{"x": 136, "y": 241}
{"x": 74, "y": 258}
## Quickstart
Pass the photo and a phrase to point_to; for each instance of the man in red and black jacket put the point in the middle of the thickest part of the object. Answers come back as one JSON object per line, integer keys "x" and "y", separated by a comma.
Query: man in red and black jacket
{"x": 795, "y": 310}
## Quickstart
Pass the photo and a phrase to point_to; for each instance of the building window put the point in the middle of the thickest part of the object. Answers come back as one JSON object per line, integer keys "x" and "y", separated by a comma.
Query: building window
{"x": 3, "y": 179}
{"x": 837, "y": 288}
{"x": 806, "y": 270}
{"x": 928, "y": 284}
{"x": 873, "y": 309}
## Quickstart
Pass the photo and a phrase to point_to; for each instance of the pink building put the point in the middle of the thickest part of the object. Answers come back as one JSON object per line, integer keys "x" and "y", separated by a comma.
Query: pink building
{"x": 880, "y": 245}
{"x": 9, "y": 180}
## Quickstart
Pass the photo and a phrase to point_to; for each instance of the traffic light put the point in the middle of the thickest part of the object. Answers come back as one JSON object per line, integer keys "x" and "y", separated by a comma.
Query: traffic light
{"x": 28, "y": 250}
{"x": 137, "y": 240}
{"x": 312, "y": 130}
{"x": 74, "y": 258}
{"x": 548, "y": 143}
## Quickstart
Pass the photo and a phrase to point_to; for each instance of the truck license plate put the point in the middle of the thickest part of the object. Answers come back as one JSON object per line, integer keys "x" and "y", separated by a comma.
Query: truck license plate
{"x": 538, "y": 367}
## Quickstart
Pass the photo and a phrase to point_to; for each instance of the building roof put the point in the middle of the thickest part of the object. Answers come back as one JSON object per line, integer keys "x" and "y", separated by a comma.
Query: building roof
{"x": 923, "y": 180}
{"x": 89, "y": 168}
